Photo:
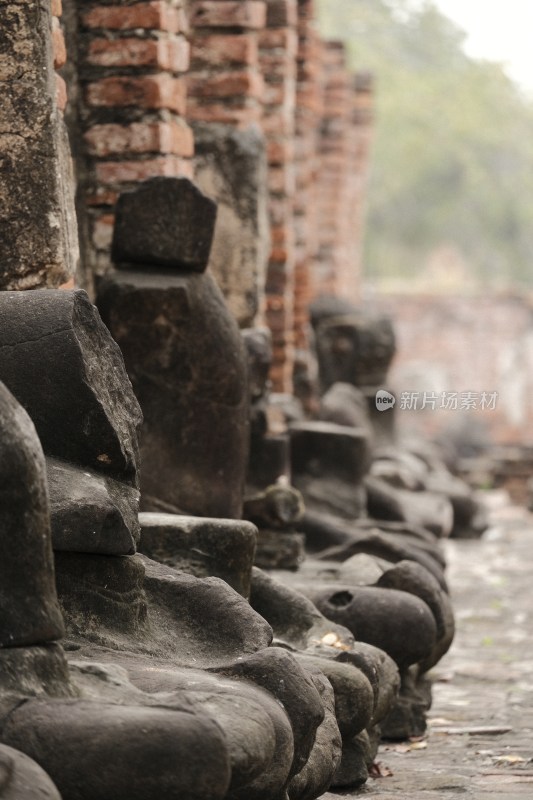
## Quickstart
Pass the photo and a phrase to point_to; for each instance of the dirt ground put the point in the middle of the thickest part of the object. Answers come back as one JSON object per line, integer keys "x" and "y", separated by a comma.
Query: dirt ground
{"x": 480, "y": 740}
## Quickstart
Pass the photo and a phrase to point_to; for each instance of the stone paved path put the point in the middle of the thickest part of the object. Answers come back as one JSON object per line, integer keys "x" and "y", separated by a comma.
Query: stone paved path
{"x": 485, "y": 682}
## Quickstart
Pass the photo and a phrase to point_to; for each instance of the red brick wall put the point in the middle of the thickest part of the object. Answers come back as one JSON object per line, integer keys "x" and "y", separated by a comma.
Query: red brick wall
{"x": 225, "y": 84}
{"x": 278, "y": 49}
{"x": 148, "y": 72}
{"x": 309, "y": 111}
{"x": 344, "y": 153}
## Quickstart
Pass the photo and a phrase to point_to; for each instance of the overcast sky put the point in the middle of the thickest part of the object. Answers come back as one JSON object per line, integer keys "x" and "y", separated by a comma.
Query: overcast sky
{"x": 498, "y": 30}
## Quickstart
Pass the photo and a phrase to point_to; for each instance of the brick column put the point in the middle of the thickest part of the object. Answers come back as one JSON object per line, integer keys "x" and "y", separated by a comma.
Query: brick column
{"x": 344, "y": 153}
{"x": 348, "y": 277}
{"x": 309, "y": 110}
{"x": 131, "y": 97}
{"x": 38, "y": 237}
{"x": 225, "y": 90}
{"x": 335, "y": 164}
{"x": 278, "y": 45}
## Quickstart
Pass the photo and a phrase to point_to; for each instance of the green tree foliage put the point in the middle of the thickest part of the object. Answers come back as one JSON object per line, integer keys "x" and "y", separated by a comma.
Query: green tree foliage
{"x": 452, "y": 159}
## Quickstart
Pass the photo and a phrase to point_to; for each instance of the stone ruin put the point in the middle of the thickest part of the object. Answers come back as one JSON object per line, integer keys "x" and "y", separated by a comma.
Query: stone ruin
{"x": 192, "y": 650}
{"x": 210, "y": 590}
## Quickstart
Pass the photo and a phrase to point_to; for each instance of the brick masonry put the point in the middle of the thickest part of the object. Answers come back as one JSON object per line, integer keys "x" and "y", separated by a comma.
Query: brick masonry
{"x": 127, "y": 115}
{"x": 243, "y": 96}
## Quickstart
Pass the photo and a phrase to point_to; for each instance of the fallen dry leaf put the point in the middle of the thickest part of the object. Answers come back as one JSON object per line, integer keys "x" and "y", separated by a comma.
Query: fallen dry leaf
{"x": 510, "y": 759}
{"x": 379, "y": 771}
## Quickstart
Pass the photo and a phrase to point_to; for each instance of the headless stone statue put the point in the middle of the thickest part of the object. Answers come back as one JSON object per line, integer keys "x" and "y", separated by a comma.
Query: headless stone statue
{"x": 29, "y": 611}
{"x": 182, "y": 350}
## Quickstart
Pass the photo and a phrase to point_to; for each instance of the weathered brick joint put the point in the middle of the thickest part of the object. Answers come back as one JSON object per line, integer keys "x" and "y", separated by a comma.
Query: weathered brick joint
{"x": 208, "y": 589}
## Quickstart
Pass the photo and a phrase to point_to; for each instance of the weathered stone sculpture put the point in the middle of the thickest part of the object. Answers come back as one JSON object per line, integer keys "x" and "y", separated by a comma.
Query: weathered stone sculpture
{"x": 354, "y": 346}
{"x": 140, "y": 632}
{"x": 22, "y": 779}
{"x": 183, "y": 353}
{"x": 53, "y": 348}
{"x": 30, "y": 612}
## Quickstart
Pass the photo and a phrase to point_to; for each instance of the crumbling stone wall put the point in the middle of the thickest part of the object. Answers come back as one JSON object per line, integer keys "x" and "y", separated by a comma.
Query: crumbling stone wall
{"x": 38, "y": 238}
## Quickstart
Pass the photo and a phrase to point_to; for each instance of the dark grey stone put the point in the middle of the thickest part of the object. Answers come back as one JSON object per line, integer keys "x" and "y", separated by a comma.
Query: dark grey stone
{"x": 469, "y": 517}
{"x": 347, "y": 540}
{"x": 362, "y": 570}
{"x": 408, "y": 576}
{"x": 258, "y": 346}
{"x": 269, "y": 457}
{"x": 101, "y": 596}
{"x": 29, "y": 611}
{"x": 354, "y": 697}
{"x": 296, "y": 622}
{"x": 199, "y": 620}
{"x": 355, "y": 762}
{"x": 278, "y": 506}
{"x": 345, "y": 404}
{"x": 378, "y": 667}
{"x": 278, "y": 672}
{"x": 400, "y": 469}
{"x": 427, "y": 509}
{"x": 132, "y": 603}
{"x": 407, "y": 718}
{"x": 329, "y": 305}
{"x": 31, "y": 671}
{"x": 165, "y": 222}
{"x": 279, "y": 549}
{"x": 399, "y": 623}
{"x": 185, "y": 358}
{"x": 201, "y": 546}
{"x": 22, "y": 779}
{"x": 316, "y": 776}
{"x": 59, "y": 361}
{"x": 328, "y": 463}
{"x": 257, "y": 730}
{"x": 354, "y": 348}
{"x": 324, "y": 449}
{"x": 97, "y": 751}
{"x": 90, "y": 512}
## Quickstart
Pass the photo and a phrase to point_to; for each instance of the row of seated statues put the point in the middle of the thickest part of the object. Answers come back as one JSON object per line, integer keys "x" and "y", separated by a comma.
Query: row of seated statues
{"x": 205, "y": 593}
